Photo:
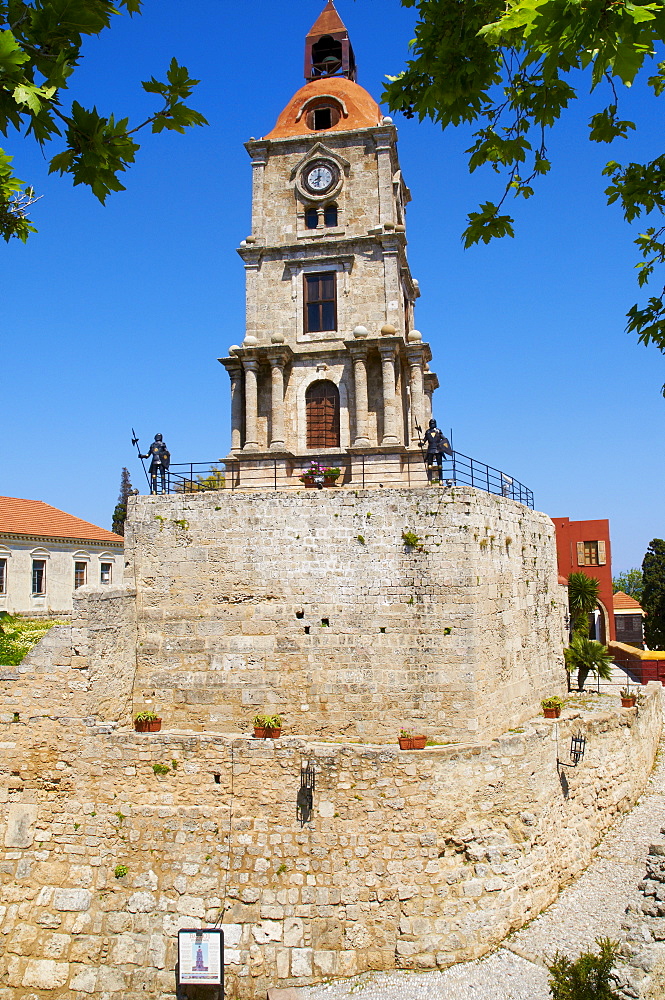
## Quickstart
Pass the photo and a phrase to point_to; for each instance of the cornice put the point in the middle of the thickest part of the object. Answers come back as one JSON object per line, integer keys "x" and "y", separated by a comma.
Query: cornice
{"x": 54, "y": 540}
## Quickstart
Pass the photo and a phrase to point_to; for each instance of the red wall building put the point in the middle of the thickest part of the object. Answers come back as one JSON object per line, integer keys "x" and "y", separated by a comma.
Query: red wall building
{"x": 584, "y": 547}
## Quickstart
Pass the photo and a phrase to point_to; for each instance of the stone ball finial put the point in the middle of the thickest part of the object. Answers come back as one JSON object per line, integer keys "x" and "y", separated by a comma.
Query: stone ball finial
{"x": 249, "y": 341}
{"x": 389, "y": 226}
{"x": 387, "y": 330}
{"x": 233, "y": 348}
{"x": 400, "y": 228}
{"x": 386, "y": 120}
{"x": 276, "y": 337}
{"x": 361, "y": 332}
{"x": 414, "y": 337}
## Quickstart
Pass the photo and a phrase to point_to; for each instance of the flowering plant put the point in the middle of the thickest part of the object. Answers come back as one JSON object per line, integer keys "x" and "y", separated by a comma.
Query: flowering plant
{"x": 317, "y": 469}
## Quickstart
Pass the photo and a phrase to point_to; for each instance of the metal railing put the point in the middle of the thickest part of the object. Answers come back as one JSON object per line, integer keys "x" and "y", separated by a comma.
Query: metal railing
{"x": 276, "y": 473}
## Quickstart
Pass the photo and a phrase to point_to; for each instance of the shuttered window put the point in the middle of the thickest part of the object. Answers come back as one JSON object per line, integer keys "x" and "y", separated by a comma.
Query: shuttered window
{"x": 591, "y": 553}
{"x": 322, "y": 405}
{"x": 320, "y": 302}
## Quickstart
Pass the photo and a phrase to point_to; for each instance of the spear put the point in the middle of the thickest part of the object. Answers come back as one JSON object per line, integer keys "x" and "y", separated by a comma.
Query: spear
{"x": 135, "y": 441}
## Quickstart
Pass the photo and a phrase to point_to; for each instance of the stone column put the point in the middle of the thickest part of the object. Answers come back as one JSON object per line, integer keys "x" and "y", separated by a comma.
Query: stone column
{"x": 415, "y": 358}
{"x": 251, "y": 405}
{"x": 390, "y": 435}
{"x": 360, "y": 386}
{"x": 384, "y": 147}
{"x": 235, "y": 374}
{"x": 277, "y": 417}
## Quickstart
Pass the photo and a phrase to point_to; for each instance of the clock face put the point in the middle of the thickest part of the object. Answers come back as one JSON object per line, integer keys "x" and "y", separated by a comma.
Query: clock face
{"x": 320, "y": 177}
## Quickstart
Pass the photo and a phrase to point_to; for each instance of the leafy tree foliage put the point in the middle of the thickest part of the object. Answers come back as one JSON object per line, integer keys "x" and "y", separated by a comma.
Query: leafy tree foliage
{"x": 653, "y": 596}
{"x": 583, "y": 594}
{"x": 18, "y": 636}
{"x": 120, "y": 512}
{"x": 512, "y": 69}
{"x": 589, "y": 977}
{"x": 40, "y": 47}
{"x": 587, "y": 656}
{"x": 631, "y": 582}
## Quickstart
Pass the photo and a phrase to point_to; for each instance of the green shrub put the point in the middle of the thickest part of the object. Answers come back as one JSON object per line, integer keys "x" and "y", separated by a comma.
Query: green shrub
{"x": 589, "y": 977}
{"x": 19, "y": 635}
{"x": 120, "y": 871}
{"x": 161, "y": 768}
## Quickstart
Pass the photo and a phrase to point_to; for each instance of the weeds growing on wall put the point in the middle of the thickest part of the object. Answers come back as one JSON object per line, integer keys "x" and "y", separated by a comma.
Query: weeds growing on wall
{"x": 19, "y": 635}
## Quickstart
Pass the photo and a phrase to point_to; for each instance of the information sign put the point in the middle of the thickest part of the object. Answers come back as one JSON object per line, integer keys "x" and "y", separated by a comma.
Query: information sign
{"x": 201, "y": 957}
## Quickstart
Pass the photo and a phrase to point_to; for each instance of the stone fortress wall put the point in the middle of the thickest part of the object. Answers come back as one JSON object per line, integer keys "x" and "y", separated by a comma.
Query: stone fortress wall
{"x": 409, "y": 859}
{"x": 310, "y": 604}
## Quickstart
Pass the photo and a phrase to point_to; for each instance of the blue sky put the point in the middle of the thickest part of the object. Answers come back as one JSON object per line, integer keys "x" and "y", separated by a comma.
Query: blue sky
{"x": 114, "y": 316}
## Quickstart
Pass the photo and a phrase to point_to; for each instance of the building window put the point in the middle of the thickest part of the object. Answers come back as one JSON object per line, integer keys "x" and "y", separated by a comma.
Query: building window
{"x": 311, "y": 218}
{"x": 38, "y": 577}
{"x": 3, "y": 577}
{"x": 320, "y": 302}
{"x": 322, "y": 406}
{"x": 591, "y": 553}
{"x": 80, "y": 573}
{"x": 105, "y": 572}
{"x": 330, "y": 215}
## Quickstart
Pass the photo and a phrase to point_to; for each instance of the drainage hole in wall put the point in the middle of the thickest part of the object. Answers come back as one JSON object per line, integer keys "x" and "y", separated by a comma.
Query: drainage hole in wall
{"x": 306, "y": 629}
{"x": 325, "y": 621}
{"x": 216, "y": 778}
{"x": 300, "y": 614}
{"x": 382, "y": 629}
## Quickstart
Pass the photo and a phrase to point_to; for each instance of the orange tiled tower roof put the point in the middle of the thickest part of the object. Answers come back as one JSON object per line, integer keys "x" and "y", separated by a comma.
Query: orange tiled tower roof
{"x": 362, "y": 111}
{"x": 624, "y": 602}
{"x": 33, "y": 517}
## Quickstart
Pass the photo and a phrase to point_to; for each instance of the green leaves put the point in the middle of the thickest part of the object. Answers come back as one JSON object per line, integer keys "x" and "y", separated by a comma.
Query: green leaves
{"x": 512, "y": 68}
{"x": 40, "y": 45}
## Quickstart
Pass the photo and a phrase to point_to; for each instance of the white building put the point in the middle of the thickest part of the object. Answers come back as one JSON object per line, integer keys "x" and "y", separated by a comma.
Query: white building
{"x": 46, "y": 554}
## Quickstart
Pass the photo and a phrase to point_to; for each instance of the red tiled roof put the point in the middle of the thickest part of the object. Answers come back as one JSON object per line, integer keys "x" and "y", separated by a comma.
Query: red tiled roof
{"x": 362, "y": 110}
{"x": 624, "y": 602}
{"x": 32, "y": 517}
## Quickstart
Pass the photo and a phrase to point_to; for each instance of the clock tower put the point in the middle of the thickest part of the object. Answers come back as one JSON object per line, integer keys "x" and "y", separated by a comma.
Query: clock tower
{"x": 330, "y": 367}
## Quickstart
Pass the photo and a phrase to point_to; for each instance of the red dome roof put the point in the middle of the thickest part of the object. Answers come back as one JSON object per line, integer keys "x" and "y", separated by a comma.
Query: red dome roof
{"x": 359, "y": 109}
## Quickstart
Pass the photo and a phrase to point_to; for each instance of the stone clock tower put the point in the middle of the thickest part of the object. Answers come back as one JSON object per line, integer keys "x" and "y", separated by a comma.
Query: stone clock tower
{"x": 330, "y": 367}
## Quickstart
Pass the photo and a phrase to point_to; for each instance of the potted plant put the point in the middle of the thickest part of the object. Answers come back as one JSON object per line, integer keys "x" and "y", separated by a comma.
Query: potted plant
{"x": 552, "y": 707}
{"x": 318, "y": 475}
{"x": 407, "y": 740}
{"x": 628, "y": 698}
{"x": 267, "y": 727}
{"x": 147, "y": 722}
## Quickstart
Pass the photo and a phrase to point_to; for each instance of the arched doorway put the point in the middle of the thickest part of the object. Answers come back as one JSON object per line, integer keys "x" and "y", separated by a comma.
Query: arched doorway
{"x": 322, "y": 409}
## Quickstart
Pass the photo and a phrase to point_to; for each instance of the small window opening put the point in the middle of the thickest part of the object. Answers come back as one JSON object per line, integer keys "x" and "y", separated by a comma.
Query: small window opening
{"x": 105, "y": 573}
{"x": 306, "y": 629}
{"x": 382, "y": 628}
{"x": 80, "y": 572}
{"x": 330, "y": 215}
{"x": 322, "y": 119}
{"x": 217, "y": 778}
{"x": 325, "y": 621}
{"x": 300, "y": 614}
{"x": 312, "y": 218}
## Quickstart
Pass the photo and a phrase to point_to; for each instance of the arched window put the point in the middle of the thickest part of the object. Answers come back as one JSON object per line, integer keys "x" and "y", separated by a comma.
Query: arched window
{"x": 322, "y": 406}
{"x": 312, "y": 218}
{"x": 330, "y": 215}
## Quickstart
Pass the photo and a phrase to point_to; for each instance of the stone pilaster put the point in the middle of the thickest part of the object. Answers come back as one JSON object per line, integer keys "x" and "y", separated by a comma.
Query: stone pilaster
{"x": 251, "y": 405}
{"x": 390, "y": 425}
{"x": 415, "y": 358}
{"x": 359, "y": 355}
{"x": 277, "y": 403}
{"x": 235, "y": 375}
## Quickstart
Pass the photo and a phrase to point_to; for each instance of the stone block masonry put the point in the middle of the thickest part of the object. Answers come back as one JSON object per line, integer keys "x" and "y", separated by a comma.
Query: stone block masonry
{"x": 411, "y": 860}
{"x": 312, "y": 604}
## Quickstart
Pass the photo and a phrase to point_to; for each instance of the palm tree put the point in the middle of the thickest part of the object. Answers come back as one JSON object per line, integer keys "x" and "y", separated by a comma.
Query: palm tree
{"x": 588, "y": 656}
{"x": 583, "y": 593}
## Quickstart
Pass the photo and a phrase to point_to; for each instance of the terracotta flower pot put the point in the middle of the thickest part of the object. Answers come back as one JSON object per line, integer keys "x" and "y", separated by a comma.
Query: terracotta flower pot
{"x": 264, "y": 733}
{"x": 147, "y": 725}
{"x": 628, "y": 702}
{"x": 419, "y": 742}
{"x": 406, "y": 742}
{"x": 552, "y": 713}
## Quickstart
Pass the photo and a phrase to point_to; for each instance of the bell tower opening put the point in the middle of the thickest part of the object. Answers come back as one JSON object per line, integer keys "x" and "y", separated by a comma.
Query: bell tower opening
{"x": 328, "y": 51}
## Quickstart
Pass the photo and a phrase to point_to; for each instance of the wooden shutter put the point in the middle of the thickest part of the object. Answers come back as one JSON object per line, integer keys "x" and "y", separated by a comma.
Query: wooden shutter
{"x": 601, "y": 553}
{"x": 322, "y": 406}
{"x": 580, "y": 553}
